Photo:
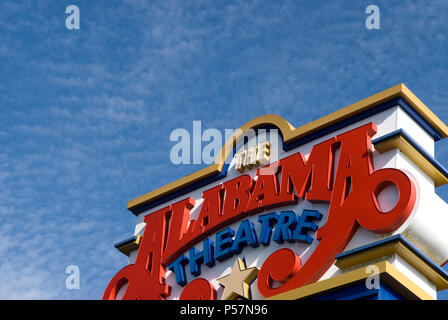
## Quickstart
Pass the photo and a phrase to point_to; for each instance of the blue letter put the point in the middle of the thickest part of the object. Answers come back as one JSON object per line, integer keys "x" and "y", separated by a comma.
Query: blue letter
{"x": 267, "y": 223}
{"x": 305, "y": 224}
{"x": 245, "y": 236}
{"x": 178, "y": 267}
{"x": 223, "y": 244}
{"x": 286, "y": 222}
{"x": 199, "y": 257}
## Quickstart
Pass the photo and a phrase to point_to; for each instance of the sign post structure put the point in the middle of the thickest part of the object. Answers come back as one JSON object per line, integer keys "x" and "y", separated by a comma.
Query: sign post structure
{"x": 344, "y": 207}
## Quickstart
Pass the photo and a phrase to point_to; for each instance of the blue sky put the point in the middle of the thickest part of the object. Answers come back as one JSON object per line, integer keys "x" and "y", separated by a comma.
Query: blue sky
{"x": 86, "y": 114}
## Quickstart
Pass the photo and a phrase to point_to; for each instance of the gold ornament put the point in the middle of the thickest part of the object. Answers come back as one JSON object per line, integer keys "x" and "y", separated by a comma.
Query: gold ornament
{"x": 237, "y": 283}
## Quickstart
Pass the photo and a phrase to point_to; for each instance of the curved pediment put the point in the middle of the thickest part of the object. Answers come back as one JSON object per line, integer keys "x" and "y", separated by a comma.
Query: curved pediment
{"x": 290, "y": 134}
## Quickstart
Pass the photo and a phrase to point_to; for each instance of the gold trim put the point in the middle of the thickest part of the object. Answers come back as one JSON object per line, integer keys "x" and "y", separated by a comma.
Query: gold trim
{"x": 415, "y": 156}
{"x": 390, "y": 274}
{"x": 388, "y": 249}
{"x": 130, "y": 246}
{"x": 290, "y": 134}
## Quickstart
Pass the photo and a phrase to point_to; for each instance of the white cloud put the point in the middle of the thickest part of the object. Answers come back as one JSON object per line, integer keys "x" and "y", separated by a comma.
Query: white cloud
{"x": 86, "y": 116}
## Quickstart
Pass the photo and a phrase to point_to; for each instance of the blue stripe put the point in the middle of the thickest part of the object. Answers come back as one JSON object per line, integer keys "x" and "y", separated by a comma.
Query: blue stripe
{"x": 363, "y": 115}
{"x": 197, "y": 184}
{"x": 181, "y": 192}
{"x": 122, "y": 243}
{"x": 352, "y": 291}
{"x": 417, "y": 118}
{"x": 299, "y": 142}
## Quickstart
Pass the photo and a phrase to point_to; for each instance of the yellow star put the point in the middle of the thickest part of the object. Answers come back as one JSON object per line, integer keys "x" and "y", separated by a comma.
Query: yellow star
{"x": 237, "y": 283}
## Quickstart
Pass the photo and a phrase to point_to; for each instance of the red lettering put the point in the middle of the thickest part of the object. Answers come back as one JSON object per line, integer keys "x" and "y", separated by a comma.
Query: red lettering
{"x": 209, "y": 214}
{"x": 146, "y": 277}
{"x": 215, "y": 213}
{"x": 180, "y": 216}
{"x": 312, "y": 178}
{"x": 265, "y": 193}
{"x": 198, "y": 289}
{"x": 353, "y": 203}
{"x": 237, "y": 194}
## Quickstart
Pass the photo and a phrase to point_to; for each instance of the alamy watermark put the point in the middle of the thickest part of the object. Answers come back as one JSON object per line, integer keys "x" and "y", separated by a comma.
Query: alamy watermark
{"x": 373, "y": 20}
{"x": 73, "y": 21}
{"x": 72, "y": 282}
{"x": 373, "y": 280}
{"x": 198, "y": 146}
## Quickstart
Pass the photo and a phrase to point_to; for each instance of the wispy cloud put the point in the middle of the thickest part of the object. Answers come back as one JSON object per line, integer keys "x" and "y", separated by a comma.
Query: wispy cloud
{"x": 86, "y": 115}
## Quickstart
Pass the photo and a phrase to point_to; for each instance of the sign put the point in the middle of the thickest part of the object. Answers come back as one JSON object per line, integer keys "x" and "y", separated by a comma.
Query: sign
{"x": 268, "y": 226}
